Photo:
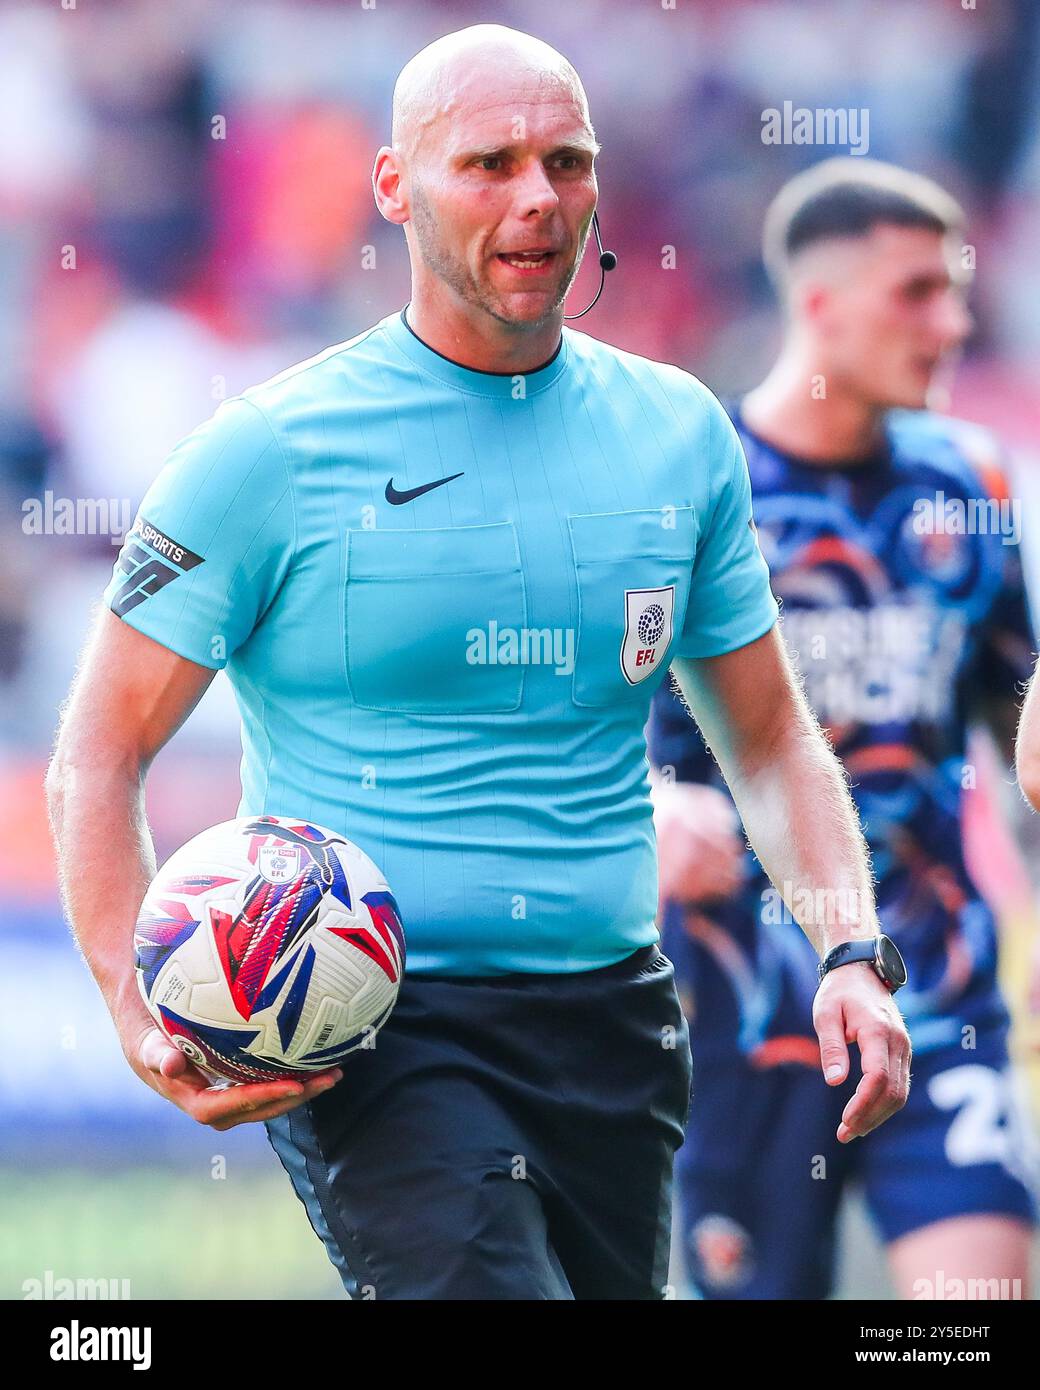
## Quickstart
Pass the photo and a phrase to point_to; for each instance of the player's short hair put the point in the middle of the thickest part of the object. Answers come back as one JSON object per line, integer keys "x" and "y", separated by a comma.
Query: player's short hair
{"x": 849, "y": 197}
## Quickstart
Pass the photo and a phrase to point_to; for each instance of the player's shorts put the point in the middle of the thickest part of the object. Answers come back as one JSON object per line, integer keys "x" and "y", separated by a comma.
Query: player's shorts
{"x": 508, "y": 1137}
{"x": 762, "y": 1174}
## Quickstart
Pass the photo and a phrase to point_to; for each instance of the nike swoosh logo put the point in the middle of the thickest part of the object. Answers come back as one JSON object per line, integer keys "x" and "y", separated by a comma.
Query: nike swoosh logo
{"x": 396, "y": 498}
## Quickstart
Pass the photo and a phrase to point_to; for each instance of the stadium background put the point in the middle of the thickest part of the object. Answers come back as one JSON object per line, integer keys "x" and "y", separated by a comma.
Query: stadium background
{"x": 184, "y": 210}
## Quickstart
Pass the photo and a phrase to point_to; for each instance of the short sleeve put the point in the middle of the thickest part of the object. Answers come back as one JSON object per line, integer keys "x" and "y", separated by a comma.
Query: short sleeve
{"x": 212, "y": 541}
{"x": 731, "y": 603}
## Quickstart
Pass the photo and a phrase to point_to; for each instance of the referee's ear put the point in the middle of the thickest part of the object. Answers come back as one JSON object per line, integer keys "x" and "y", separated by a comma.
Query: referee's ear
{"x": 389, "y": 186}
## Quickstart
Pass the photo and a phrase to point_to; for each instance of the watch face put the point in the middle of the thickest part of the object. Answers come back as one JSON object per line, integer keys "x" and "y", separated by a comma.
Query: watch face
{"x": 891, "y": 962}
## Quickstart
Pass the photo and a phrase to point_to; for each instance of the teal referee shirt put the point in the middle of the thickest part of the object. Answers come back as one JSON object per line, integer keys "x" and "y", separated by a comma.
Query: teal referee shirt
{"x": 444, "y": 599}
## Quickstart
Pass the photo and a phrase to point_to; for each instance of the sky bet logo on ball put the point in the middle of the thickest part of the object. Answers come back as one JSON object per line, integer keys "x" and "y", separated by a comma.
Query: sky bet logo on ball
{"x": 648, "y": 631}
{"x": 280, "y": 865}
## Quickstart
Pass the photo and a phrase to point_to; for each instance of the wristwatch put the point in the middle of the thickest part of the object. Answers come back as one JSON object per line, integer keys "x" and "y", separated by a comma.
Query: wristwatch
{"x": 882, "y": 953}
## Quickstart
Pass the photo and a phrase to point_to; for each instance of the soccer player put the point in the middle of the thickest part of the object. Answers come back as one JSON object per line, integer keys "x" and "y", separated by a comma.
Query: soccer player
{"x": 893, "y": 551}
{"x": 445, "y": 565}
{"x": 1027, "y": 745}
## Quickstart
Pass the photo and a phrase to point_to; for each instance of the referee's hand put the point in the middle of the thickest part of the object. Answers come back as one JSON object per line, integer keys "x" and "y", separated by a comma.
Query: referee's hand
{"x": 166, "y": 1069}
{"x": 859, "y": 1008}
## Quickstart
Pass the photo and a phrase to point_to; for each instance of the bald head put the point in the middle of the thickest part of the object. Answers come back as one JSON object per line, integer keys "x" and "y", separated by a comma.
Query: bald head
{"x": 454, "y": 73}
{"x": 491, "y": 174}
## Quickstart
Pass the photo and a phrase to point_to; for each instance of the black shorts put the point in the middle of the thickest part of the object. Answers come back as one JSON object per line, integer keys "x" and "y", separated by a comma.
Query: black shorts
{"x": 507, "y": 1137}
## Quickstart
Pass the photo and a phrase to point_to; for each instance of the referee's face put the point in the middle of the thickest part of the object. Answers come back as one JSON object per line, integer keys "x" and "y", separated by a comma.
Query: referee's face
{"x": 502, "y": 191}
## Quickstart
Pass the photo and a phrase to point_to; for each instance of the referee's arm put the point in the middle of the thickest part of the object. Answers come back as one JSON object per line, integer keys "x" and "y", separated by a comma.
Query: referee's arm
{"x": 130, "y": 696}
{"x": 792, "y": 795}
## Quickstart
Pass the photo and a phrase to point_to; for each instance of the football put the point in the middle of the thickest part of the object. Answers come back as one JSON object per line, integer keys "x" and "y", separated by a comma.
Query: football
{"x": 269, "y": 947}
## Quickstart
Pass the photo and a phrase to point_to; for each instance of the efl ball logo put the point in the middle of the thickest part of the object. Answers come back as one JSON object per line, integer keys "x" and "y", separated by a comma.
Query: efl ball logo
{"x": 279, "y": 865}
{"x": 648, "y": 632}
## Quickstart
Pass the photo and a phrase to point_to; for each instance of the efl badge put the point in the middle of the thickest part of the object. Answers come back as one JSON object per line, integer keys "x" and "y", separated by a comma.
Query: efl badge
{"x": 648, "y": 631}
{"x": 279, "y": 863}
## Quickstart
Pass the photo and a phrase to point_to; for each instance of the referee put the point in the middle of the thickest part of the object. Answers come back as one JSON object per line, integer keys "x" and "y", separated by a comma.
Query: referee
{"x": 446, "y": 564}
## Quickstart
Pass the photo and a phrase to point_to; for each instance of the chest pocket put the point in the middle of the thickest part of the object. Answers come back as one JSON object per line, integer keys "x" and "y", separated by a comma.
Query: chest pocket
{"x": 419, "y": 608}
{"x": 633, "y": 571}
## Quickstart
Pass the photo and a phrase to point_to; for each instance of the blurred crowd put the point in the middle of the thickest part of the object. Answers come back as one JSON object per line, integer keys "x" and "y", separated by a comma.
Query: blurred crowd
{"x": 185, "y": 208}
